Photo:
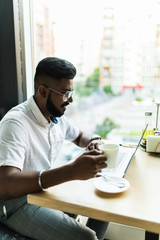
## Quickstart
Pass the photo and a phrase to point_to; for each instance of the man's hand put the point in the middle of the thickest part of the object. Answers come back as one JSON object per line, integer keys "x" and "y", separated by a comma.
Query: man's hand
{"x": 94, "y": 144}
{"x": 88, "y": 164}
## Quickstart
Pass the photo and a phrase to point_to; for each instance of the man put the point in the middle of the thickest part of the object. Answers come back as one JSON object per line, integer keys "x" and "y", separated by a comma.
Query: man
{"x": 31, "y": 136}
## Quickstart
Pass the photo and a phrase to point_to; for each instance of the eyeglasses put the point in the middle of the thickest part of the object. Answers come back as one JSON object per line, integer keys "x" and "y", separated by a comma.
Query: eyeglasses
{"x": 66, "y": 95}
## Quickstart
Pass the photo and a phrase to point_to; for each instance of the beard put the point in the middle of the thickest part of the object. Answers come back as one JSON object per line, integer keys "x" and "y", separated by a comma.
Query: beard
{"x": 52, "y": 109}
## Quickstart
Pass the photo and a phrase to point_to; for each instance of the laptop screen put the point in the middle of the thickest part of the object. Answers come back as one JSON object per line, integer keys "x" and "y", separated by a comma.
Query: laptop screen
{"x": 135, "y": 149}
{"x": 140, "y": 139}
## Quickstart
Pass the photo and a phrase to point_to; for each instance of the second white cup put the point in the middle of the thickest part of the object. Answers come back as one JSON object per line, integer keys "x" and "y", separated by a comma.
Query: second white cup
{"x": 111, "y": 152}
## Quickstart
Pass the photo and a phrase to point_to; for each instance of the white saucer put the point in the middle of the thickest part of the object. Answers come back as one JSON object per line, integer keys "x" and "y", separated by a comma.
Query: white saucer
{"x": 101, "y": 184}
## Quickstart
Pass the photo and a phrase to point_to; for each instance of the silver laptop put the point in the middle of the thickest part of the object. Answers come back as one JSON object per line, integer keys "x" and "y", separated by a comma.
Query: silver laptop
{"x": 124, "y": 159}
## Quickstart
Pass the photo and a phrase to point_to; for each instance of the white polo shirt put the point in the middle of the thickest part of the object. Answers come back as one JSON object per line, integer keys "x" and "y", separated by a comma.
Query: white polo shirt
{"x": 28, "y": 141}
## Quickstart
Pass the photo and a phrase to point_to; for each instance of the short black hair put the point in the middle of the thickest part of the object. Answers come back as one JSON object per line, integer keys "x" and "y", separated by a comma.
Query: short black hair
{"x": 54, "y": 67}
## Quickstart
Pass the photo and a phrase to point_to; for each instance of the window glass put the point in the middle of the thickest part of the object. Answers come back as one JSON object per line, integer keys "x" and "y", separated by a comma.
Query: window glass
{"x": 115, "y": 46}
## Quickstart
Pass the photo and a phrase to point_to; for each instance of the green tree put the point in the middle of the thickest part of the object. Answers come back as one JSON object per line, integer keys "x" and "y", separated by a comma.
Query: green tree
{"x": 106, "y": 127}
{"x": 108, "y": 89}
{"x": 93, "y": 80}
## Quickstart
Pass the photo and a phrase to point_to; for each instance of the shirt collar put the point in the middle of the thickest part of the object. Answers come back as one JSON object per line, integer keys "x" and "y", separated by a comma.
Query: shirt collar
{"x": 38, "y": 114}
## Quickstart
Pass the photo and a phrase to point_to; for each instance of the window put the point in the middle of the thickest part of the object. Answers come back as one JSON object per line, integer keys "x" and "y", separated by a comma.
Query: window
{"x": 115, "y": 48}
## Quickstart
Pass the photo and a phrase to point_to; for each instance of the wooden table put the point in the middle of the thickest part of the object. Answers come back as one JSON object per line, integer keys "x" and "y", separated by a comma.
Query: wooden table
{"x": 139, "y": 206}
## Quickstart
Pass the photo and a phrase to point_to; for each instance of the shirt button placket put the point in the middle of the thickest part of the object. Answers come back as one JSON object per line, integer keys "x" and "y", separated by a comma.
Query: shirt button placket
{"x": 51, "y": 144}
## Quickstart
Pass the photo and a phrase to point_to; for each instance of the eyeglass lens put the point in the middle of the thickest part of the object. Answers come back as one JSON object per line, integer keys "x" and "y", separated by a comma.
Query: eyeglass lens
{"x": 68, "y": 95}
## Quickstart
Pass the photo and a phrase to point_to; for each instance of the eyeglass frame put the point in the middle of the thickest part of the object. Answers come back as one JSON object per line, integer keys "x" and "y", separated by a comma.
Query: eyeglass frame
{"x": 65, "y": 97}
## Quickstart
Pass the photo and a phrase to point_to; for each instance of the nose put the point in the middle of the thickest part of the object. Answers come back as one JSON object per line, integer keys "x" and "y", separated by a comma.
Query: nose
{"x": 70, "y": 99}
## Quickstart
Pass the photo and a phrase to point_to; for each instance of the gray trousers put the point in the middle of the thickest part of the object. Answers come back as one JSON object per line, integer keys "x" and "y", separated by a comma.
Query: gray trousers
{"x": 41, "y": 223}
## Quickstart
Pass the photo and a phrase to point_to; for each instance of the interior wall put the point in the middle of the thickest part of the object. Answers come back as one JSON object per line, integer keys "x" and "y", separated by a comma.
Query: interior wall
{"x": 8, "y": 73}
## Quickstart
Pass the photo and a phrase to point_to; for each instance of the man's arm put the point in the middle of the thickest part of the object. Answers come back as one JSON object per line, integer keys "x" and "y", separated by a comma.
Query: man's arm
{"x": 84, "y": 140}
{"x": 14, "y": 183}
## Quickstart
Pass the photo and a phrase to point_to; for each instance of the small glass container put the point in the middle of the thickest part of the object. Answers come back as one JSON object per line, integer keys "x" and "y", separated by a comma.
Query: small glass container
{"x": 148, "y": 120}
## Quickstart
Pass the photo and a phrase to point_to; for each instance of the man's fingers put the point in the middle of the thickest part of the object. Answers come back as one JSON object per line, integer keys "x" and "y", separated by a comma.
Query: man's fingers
{"x": 93, "y": 152}
{"x": 100, "y": 159}
{"x": 95, "y": 145}
{"x": 103, "y": 165}
{"x": 100, "y": 163}
{"x": 98, "y": 156}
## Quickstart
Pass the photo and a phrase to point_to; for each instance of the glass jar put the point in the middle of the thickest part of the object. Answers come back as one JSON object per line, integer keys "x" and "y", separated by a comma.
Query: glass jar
{"x": 148, "y": 120}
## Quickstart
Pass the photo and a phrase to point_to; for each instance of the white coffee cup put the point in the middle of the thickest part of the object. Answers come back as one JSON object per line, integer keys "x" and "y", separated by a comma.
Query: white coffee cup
{"x": 111, "y": 152}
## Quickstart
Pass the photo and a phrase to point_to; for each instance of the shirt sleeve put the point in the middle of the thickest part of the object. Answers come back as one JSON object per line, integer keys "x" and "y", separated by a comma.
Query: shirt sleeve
{"x": 13, "y": 137}
{"x": 72, "y": 131}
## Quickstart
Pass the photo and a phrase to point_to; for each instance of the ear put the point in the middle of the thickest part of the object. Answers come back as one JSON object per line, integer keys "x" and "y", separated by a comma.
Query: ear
{"x": 43, "y": 91}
